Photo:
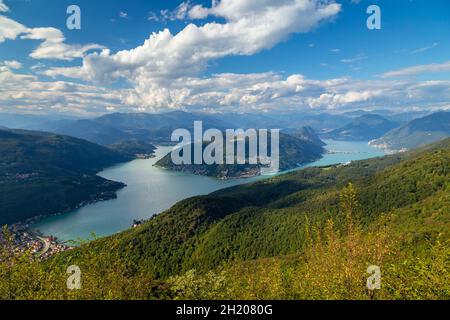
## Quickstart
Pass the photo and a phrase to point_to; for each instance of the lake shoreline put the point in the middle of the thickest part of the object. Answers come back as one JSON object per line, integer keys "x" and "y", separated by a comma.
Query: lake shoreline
{"x": 151, "y": 190}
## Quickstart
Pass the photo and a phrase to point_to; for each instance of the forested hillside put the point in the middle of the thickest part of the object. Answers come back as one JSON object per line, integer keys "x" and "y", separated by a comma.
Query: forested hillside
{"x": 294, "y": 151}
{"x": 149, "y": 128}
{"x": 363, "y": 128}
{"x": 417, "y": 132}
{"x": 43, "y": 173}
{"x": 308, "y": 234}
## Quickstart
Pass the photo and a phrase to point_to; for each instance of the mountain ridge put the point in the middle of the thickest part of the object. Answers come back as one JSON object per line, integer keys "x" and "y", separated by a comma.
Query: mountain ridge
{"x": 294, "y": 151}
{"x": 417, "y": 132}
{"x": 362, "y": 128}
{"x": 54, "y": 173}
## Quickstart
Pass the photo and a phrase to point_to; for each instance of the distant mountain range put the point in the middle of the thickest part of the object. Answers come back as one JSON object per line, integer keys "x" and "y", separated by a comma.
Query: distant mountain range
{"x": 44, "y": 173}
{"x": 157, "y": 128}
{"x": 294, "y": 151}
{"x": 139, "y": 132}
{"x": 153, "y": 128}
{"x": 417, "y": 132}
{"x": 399, "y": 117}
{"x": 31, "y": 122}
{"x": 362, "y": 128}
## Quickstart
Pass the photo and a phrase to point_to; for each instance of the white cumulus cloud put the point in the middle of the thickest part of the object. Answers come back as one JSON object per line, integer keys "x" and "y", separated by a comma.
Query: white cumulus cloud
{"x": 10, "y": 29}
{"x": 166, "y": 71}
{"x": 12, "y": 64}
{"x": 24, "y": 92}
{"x": 54, "y": 46}
{"x": 164, "y": 57}
{"x": 3, "y": 7}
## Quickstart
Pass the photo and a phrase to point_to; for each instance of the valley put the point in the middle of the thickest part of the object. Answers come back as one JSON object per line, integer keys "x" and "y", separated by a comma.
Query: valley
{"x": 151, "y": 190}
{"x": 225, "y": 158}
{"x": 170, "y": 230}
{"x": 300, "y": 226}
{"x": 43, "y": 174}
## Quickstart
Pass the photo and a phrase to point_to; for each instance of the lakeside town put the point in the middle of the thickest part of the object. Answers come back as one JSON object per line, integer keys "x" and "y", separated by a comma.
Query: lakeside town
{"x": 24, "y": 240}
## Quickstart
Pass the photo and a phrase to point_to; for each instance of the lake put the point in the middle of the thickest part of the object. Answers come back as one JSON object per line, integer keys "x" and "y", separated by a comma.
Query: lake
{"x": 151, "y": 190}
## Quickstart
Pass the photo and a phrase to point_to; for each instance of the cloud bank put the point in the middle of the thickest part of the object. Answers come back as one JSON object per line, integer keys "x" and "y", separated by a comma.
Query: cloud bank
{"x": 166, "y": 72}
{"x": 164, "y": 59}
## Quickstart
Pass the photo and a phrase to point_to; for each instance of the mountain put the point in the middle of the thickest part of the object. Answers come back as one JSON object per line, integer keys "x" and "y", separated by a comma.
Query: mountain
{"x": 157, "y": 128}
{"x": 289, "y": 120}
{"x": 363, "y": 128}
{"x": 151, "y": 128}
{"x": 320, "y": 122}
{"x": 417, "y": 132}
{"x": 251, "y": 120}
{"x": 43, "y": 173}
{"x": 266, "y": 218}
{"x": 91, "y": 130}
{"x": 255, "y": 241}
{"x": 393, "y": 115}
{"x": 294, "y": 151}
{"x": 30, "y": 121}
{"x": 403, "y": 117}
{"x": 308, "y": 134}
{"x": 133, "y": 148}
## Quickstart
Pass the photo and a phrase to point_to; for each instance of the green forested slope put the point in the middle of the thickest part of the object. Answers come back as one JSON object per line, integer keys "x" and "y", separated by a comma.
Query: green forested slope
{"x": 417, "y": 132}
{"x": 43, "y": 173}
{"x": 265, "y": 219}
{"x": 304, "y": 147}
{"x": 363, "y": 128}
{"x": 309, "y": 234}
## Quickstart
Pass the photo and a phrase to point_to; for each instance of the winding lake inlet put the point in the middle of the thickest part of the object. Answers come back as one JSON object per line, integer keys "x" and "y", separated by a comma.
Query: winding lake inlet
{"x": 151, "y": 190}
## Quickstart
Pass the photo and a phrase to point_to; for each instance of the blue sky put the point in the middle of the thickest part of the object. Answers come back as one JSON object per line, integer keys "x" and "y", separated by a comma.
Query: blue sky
{"x": 227, "y": 56}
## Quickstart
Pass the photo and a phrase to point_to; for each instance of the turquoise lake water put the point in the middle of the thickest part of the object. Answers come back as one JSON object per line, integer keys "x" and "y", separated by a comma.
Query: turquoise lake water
{"x": 151, "y": 190}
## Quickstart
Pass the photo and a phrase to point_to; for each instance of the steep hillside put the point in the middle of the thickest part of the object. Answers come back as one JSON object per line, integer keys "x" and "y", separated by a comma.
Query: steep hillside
{"x": 308, "y": 134}
{"x": 309, "y": 234}
{"x": 153, "y": 128}
{"x": 43, "y": 173}
{"x": 134, "y": 148}
{"x": 363, "y": 128}
{"x": 31, "y": 122}
{"x": 294, "y": 151}
{"x": 266, "y": 219}
{"x": 416, "y": 133}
